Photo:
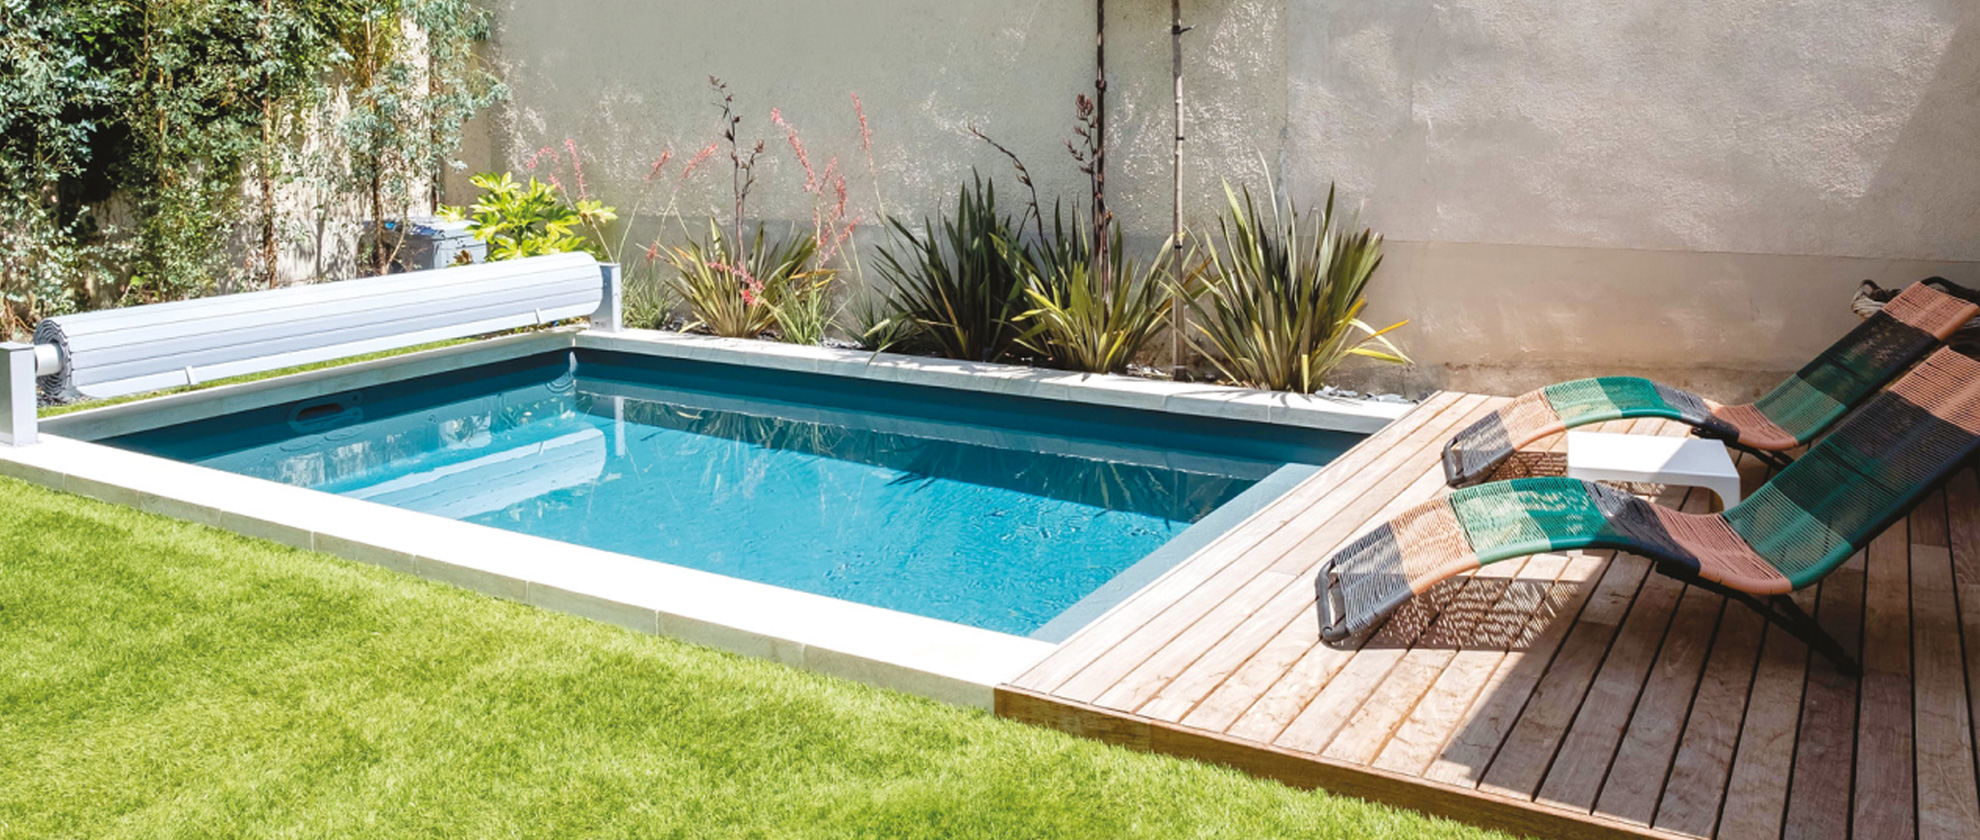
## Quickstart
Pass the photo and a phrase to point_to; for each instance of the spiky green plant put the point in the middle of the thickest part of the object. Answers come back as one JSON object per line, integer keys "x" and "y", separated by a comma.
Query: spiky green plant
{"x": 873, "y": 323}
{"x": 1282, "y": 306}
{"x": 1079, "y": 319}
{"x": 964, "y": 285}
{"x": 733, "y": 297}
{"x": 806, "y": 308}
{"x": 650, "y": 300}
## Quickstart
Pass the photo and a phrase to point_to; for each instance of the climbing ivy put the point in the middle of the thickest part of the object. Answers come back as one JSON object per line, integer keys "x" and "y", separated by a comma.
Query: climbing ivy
{"x": 141, "y": 141}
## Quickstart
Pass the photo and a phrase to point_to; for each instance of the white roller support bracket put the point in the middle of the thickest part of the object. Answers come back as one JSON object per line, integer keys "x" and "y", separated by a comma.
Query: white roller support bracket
{"x": 17, "y": 414}
{"x": 145, "y": 348}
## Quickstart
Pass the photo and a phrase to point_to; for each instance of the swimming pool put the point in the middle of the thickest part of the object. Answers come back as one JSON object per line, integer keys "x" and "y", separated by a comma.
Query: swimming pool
{"x": 1014, "y": 514}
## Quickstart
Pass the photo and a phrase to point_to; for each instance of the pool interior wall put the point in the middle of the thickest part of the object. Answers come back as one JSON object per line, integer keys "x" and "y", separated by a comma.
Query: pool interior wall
{"x": 1020, "y": 515}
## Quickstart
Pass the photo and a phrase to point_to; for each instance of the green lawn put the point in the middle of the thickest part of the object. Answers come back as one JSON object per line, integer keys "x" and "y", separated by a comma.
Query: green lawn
{"x": 163, "y": 679}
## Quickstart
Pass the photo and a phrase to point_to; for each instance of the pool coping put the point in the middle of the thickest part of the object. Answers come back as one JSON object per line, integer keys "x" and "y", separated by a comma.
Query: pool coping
{"x": 1223, "y": 401}
{"x": 938, "y": 659}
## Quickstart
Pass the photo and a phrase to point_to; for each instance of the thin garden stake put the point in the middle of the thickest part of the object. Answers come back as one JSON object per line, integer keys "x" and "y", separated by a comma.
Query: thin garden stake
{"x": 1179, "y": 324}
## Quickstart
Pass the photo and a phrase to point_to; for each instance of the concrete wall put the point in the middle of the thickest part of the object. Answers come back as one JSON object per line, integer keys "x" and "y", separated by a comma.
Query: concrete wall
{"x": 1685, "y": 188}
{"x": 1689, "y": 189}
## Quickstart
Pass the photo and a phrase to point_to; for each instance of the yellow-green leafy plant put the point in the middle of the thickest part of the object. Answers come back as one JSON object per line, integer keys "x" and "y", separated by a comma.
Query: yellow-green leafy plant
{"x": 807, "y": 309}
{"x": 1079, "y": 318}
{"x": 531, "y": 219}
{"x": 1282, "y": 304}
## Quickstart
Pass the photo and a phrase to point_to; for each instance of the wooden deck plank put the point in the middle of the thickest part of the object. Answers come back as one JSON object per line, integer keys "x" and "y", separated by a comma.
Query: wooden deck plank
{"x": 1825, "y": 746}
{"x": 1589, "y": 744}
{"x": 1453, "y": 704}
{"x": 1263, "y": 716}
{"x": 1272, "y": 714}
{"x": 1636, "y": 775}
{"x": 1643, "y": 760}
{"x": 1263, "y": 672}
{"x": 1757, "y": 785}
{"x": 1234, "y": 688}
{"x": 1948, "y": 800}
{"x": 1604, "y": 688}
{"x": 1542, "y": 683}
{"x": 1253, "y": 630}
{"x": 1885, "y": 796}
{"x": 1173, "y": 612}
{"x": 1698, "y": 775}
{"x": 1458, "y": 623}
{"x": 1963, "y": 540}
{"x": 1289, "y": 614}
{"x": 1698, "y": 780}
{"x": 1520, "y": 763}
{"x": 1348, "y": 474}
{"x": 1493, "y": 618}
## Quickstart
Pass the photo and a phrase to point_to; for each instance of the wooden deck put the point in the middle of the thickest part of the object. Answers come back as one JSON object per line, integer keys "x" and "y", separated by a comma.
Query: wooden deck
{"x": 1566, "y": 695}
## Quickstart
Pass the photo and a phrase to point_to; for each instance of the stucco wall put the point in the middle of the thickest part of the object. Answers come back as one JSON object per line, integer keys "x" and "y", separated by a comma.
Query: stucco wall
{"x": 1677, "y": 187}
{"x": 1690, "y": 189}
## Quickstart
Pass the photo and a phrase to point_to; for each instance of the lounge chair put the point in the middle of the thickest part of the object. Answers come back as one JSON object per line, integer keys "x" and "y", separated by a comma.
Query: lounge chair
{"x": 1866, "y": 359}
{"x": 1789, "y": 534}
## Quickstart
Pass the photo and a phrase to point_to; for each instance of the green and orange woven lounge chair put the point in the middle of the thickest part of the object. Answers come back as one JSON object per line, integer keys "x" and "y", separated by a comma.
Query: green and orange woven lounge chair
{"x": 1868, "y": 358}
{"x": 1789, "y": 534}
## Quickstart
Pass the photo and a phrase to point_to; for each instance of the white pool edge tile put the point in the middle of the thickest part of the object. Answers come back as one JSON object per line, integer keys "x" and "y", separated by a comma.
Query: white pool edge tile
{"x": 942, "y": 660}
{"x": 1222, "y": 401}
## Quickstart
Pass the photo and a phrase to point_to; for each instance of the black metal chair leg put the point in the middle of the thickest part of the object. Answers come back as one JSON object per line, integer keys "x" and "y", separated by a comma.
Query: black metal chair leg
{"x": 1793, "y": 619}
{"x": 1781, "y": 610}
{"x": 1777, "y": 460}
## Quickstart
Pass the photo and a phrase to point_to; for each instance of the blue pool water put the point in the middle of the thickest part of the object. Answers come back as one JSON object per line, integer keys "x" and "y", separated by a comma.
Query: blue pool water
{"x": 998, "y": 512}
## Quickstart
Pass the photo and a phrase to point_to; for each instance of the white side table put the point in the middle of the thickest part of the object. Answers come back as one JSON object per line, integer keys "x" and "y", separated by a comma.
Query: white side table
{"x": 1689, "y": 461}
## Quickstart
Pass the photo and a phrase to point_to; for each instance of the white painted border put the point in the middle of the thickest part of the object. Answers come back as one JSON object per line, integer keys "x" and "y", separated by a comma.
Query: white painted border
{"x": 1278, "y": 407}
{"x": 947, "y": 661}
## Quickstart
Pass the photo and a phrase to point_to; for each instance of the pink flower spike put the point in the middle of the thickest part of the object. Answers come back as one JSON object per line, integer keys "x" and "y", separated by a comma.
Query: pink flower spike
{"x": 659, "y": 164}
{"x": 797, "y": 147}
{"x": 699, "y": 157}
{"x": 577, "y": 164}
{"x": 865, "y": 134}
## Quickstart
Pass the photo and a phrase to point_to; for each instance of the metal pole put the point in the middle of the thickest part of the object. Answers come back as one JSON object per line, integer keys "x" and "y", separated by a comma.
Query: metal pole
{"x": 1179, "y": 322}
{"x": 1100, "y": 220}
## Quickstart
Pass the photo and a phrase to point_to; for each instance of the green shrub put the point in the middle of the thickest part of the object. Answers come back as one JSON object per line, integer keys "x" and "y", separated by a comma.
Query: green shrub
{"x": 529, "y": 220}
{"x": 129, "y": 130}
{"x": 963, "y": 286}
{"x": 1282, "y": 307}
{"x": 1080, "y": 318}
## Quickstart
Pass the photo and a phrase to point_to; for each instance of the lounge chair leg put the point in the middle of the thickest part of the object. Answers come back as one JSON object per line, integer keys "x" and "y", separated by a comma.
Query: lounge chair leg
{"x": 1777, "y": 460}
{"x": 1782, "y": 610}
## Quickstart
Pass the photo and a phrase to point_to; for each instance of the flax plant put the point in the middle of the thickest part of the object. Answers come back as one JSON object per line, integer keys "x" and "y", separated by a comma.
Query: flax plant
{"x": 1282, "y": 306}
{"x": 807, "y": 308}
{"x": 1091, "y": 309}
{"x": 737, "y": 295}
{"x": 963, "y": 284}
